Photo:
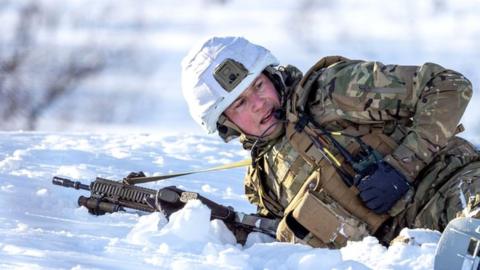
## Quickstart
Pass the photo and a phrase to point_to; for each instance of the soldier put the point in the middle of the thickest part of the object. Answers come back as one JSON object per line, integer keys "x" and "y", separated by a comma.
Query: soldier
{"x": 352, "y": 148}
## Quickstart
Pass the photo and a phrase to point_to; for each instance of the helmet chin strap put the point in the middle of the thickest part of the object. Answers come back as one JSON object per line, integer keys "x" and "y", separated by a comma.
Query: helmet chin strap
{"x": 279, "y": 114}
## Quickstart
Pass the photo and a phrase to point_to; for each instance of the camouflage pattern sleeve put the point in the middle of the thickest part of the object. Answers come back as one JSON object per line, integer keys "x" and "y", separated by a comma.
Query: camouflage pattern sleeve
{"x": 430, "y": 97}
{"x": 443, "y": 96}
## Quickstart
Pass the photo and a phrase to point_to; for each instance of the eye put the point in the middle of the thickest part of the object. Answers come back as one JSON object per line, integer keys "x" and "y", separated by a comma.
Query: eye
{"x": 238, "y": 103}
{"x": 258, "y": 85}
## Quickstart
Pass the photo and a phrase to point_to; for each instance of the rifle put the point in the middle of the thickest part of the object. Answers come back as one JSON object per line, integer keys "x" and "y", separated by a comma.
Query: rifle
{"x": 109, "y": 196}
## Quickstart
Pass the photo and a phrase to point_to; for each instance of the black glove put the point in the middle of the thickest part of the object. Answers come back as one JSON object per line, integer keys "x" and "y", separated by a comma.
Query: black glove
{"x": 171, "y": 199}
{"x": 135, "y": 174}
{"x": 167, "y": 200}
{"x": 382, "y": 187}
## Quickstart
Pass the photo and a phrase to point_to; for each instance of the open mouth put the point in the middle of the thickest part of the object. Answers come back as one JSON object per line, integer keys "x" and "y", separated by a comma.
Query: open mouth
{"x": 267, "y": 117}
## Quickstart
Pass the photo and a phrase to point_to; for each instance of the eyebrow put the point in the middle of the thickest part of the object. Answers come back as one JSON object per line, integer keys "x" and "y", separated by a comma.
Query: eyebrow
{"x": 251, "y": 85}
{"x": 254, "y": 81}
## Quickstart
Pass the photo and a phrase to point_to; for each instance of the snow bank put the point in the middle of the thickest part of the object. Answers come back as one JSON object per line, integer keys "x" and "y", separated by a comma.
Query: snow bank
{"x": 41, "y": 226}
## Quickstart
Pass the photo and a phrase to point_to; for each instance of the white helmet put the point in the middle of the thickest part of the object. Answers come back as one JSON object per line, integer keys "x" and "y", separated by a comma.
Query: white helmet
{"x": 217, "y": 72}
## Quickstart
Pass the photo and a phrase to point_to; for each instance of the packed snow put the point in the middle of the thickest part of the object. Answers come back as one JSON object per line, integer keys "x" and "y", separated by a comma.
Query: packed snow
{"x": 41, "y": 226}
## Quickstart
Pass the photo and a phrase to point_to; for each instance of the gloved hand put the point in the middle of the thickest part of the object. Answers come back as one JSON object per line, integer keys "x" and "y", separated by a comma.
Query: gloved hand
{"x": 135, "y": 175}
{"x": 167, "y": 200}
{"x": 382, "y": 187}
{"x": 171, "y": 199}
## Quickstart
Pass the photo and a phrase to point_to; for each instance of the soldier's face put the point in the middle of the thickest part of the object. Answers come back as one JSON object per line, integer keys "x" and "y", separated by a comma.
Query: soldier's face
{"x": 253, "y": 111}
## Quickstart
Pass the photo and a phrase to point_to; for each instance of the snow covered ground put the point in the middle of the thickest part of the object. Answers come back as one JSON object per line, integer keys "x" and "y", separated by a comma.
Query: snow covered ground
{"x": 41, "y": 226}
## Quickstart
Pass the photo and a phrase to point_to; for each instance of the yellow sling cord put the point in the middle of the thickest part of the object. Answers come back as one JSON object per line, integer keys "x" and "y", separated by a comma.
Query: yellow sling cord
{"x": 140, "y": 180}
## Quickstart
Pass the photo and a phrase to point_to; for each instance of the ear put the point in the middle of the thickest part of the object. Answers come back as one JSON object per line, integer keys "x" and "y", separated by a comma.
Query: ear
{"x": 227, "y": 130}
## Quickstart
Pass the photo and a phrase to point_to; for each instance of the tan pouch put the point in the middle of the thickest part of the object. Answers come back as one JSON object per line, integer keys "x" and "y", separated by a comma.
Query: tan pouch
{"x": 285, "y": 233}
{"x": 289, "y": 230}
{"x": 319, "y": 224}
{"x": 316, "y": 217}
{"x": 329, "y": 222}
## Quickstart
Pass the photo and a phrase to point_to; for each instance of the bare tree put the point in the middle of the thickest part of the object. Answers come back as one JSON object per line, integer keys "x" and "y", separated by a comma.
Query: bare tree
{"x": 34, "y": 74}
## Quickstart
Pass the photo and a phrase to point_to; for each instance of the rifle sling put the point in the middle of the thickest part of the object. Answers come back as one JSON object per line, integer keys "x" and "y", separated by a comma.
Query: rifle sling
{"x": 140, "y": 180}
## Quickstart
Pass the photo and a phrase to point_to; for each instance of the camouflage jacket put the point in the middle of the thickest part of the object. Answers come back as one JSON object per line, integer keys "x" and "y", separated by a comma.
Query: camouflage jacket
{"x": 426, "y": 102}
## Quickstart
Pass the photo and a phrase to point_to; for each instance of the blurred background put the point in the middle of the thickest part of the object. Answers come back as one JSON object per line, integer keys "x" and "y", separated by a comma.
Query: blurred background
{"x": 114, "y": 65}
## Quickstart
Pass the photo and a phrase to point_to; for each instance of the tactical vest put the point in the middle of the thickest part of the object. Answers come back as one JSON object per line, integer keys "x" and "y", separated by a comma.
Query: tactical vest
{"x": 302, "y": 184}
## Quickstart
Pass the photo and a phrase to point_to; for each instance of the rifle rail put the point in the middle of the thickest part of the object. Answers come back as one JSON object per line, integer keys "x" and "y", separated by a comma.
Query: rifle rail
{"x": 108, "y": 196}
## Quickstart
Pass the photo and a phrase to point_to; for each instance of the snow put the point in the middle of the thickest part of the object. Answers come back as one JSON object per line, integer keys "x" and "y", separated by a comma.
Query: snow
{"x": 41, "y": 226}
{"x": 132, "y": 117}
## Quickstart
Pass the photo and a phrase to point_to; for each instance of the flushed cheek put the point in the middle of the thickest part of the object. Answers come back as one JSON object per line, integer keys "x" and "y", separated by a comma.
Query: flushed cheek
{"x": 253, "y": 121}
{"x": 244, "y": 121}
{"x": 253, "y": 126}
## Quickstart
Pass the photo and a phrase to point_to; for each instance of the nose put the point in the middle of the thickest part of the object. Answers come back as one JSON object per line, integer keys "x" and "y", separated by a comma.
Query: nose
{"x": 257, "y": 103}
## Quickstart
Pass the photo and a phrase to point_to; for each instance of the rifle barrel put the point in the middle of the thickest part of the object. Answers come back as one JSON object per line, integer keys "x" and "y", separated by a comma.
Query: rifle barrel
{"x": 60, "y": 181}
